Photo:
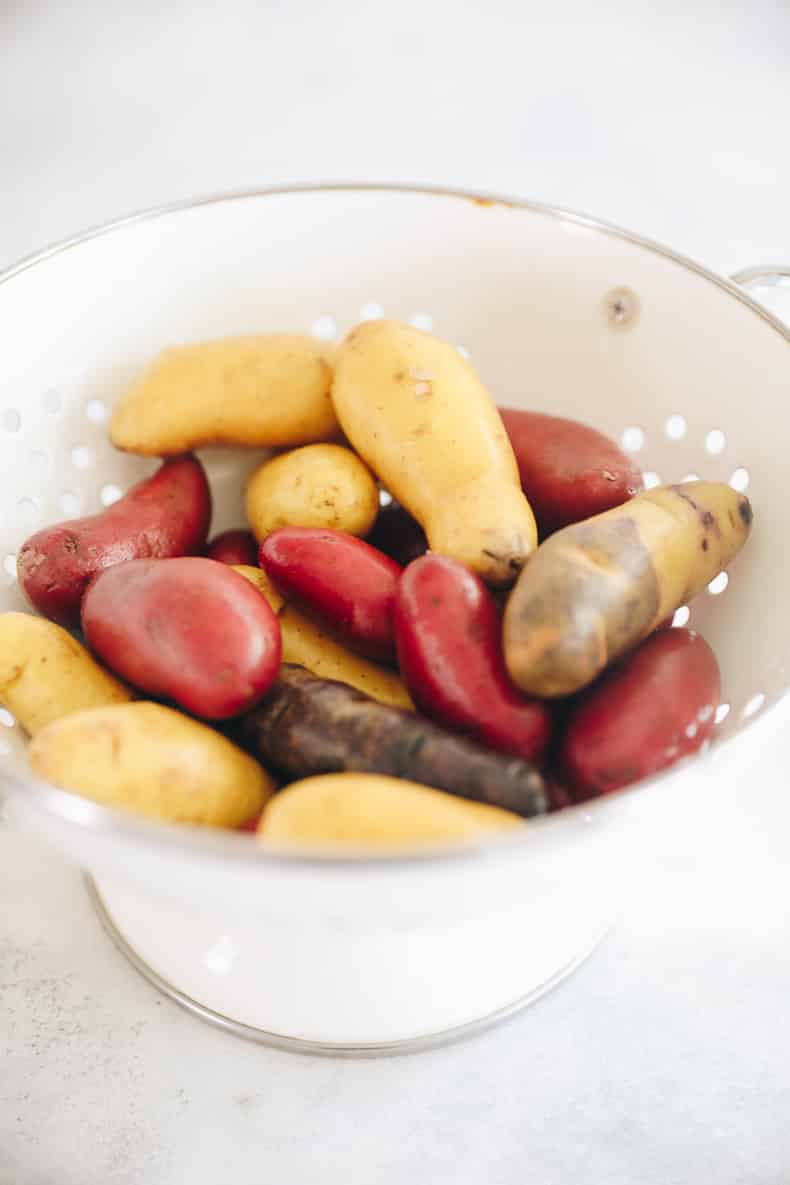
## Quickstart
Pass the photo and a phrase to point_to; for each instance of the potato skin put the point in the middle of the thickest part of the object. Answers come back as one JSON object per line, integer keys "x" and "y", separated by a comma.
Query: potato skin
{"x": 373, "y": 809}
{"x": 346, "y": 583}
{"x": 152, "y": 761}
{"x": 233, "y": 547}
{"x": 306, "y": 645}
{"x": 46, "y": 674}
{"x": 448, "y": 631}
{"x": 595, "y": 589}
{"x": 569, "y": 471}
{"x": 655, "y": 706}
{"x": 167, "y": 514}
{"x": 188, "y": 629}
{"x": 417, "y": 412}
{"x": 264, "y": 391}
{"x": 322, "y": 485}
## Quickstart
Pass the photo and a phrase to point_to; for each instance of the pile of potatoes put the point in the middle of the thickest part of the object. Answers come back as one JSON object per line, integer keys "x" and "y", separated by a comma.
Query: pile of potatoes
{"x": 490, "y": 644}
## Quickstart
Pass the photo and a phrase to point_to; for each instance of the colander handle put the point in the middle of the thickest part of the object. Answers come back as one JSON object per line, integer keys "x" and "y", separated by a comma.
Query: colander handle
{"x": 765, "y": 275}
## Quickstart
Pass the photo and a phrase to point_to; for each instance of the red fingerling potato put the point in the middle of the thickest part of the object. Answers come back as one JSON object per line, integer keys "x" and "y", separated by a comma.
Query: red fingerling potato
{"x": 165, "y": 515}
{"x": 345, "y": 582}
{"x": 448, "y": 633}
{"x": 398, "y": 535}
{"x": 569, "y": 472}
{"x": 657, "y": 705}
{"x": 189, "y": 630}
{"x": 234, "y": 547}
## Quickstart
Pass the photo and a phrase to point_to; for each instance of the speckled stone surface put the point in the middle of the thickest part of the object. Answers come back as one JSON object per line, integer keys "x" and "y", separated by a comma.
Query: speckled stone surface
{"x": 664, "y": 1060}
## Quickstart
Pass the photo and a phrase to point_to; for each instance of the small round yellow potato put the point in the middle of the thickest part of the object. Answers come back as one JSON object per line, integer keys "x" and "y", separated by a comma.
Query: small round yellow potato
{"x": 152, "y": 761}
{"x": 265, "y": 391}
{"x": 322, "y": 485}
{"x": 46, "y": 674}
{"x": 375, "y": 810}
{"x": 308, "y": 646}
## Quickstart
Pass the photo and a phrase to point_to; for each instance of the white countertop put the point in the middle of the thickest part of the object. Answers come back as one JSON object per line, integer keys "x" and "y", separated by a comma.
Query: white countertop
{"x": 665, "y": 1058}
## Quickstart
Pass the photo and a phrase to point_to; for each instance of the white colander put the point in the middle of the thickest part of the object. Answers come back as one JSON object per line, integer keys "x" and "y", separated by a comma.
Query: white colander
{"x": 559, "y": 313}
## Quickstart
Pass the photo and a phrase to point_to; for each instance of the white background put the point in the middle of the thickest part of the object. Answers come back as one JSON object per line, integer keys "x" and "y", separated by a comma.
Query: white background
{"x": 666, "y": 1059}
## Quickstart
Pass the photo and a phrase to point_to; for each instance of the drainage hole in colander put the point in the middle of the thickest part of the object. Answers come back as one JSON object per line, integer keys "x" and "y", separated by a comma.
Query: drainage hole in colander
{"x": 96, "y": 411}
{"x": 109, "y": 494}
{"x": 325, "y": 327}
{"x": 371, "y": 311}
{"x": 753, "y": 705}
{"x": 718, "y": 584}
{"x": 632, "y": 439}
{"x": 6, "y": 719}
{"x": 740, "y": 480}
{"x": 675, "y": 427}
{"x": 681, "y": 616}
{"x": 81, "y": 457}
{"x": 51, "y": 402}
{"x": 715, "y": 442}
{"x": 385, "y": 498}
{"x": 70, "y": 502}
{"x": 12, "y": 420}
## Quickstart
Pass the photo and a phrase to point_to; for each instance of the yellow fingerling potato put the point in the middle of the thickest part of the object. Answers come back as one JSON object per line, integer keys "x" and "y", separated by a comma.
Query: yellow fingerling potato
{"x": 375, "y": 810}
{"x": 152, "y": 761}
{"x": 46, "y": 674}
{"x": 267, "y": 391}
{"x": 595, "y": 589}
{"x": 307, "y": 646}
{"x": 322, "y": 485}
{"x": 417, "y": 412}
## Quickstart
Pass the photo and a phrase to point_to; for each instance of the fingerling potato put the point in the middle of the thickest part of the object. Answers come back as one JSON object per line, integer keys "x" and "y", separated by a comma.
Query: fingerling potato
{"x": 265, "y": 391}
{"x": 655, "y": 706}
{"x": 307, "y": 726}
{"x": 45, "y": 673}
{"x": 322, "y": 485}
{"x": 347, "y": 584}
{"x": 449, "y": 638}
{"x": 152, "y": 761}
{"x": 569, "y": 471}
{"x": 189, "y": 629}
{"x": 165, "y": 515}
{"x": 375, "y": 810}
{"x": 418, "y": 414}
{"x": 595, "y": 589}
